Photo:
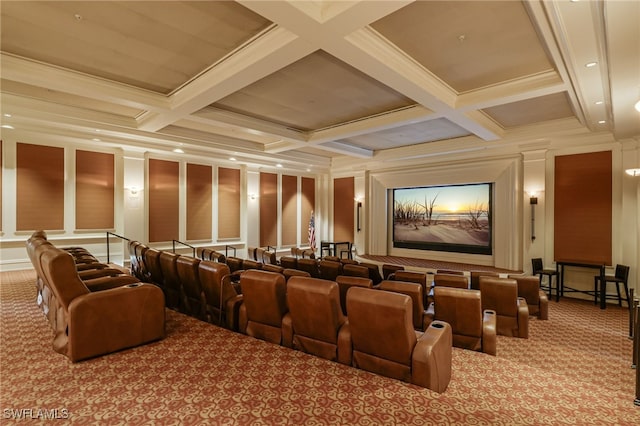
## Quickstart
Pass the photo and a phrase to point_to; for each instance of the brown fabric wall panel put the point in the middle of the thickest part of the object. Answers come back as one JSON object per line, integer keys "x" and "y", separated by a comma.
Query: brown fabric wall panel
{"x": 228, "y": 203}
{"x": 289, "y": 210}
{"x": 94, "y": 190}
{"x": 343, "y": 195}
{"x": 583, "y": 205}
{"x": 268, "y": 209}
{"x": 164, "y": 190}
{"x": 199, "y": 202}
{"x": 40, "y": 187}
{"x": 308, "y": 205}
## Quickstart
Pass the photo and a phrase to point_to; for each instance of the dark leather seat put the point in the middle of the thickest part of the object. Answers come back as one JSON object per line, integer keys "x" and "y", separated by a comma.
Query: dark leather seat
{"x": 374, "y": 272}
{"x": 152, "y": 265}
{"x": 449, "y": 280}
{"x": 222, "y": 300}
{"x": 272, "y": 268}
{"x": 193, "y": 300}
{"x": 388, "y": 269}
{"x": 289, "y": 262}
{"x": 475, "y": 278}
{"x": 315, "y": 323}
{"x": 310, "y": 266}
{"x": 472, "y": 327}
{"x": 171, "y": 282}
{"x": 385, "y": 343}
{"x": 355, "y": 271}
{"x": 346, "y": 282}
{"x": 264, "y": 305}
{"x": 512, "y": 312}
{"x": 329, "y": 270}
{"x": 288, "y": 273}
{"x": 412, "y": 277}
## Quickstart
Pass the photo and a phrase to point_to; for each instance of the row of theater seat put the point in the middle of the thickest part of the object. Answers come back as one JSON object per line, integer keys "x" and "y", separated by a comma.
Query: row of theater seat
{"x": 93, "y": 308}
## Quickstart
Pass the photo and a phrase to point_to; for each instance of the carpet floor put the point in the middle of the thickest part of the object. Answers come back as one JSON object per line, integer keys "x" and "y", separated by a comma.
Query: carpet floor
{"x": 574, "y": 369}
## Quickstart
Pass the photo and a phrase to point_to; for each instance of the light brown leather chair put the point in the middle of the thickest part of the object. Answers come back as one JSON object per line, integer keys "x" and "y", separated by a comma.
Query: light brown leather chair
{"x": 529, "y": 290}
{"x": 264, "y": 305}
{"x": 152, "y": 265}
{"x": 289, "y": 262}
{"x": 251, "y": 264}
{"x": 91, "y": 324}
{"x": 222, "y": 300}
{"x": 374, "y": 272}
{"x": 272, "y": 268}
{"x": 413, "y": 290}
{"x": 450, "y": 280}
{"x": 315, "y": 323}
{"x": 471, "y": 327}
{"x": 268, "y": 257}
{"x": 412, "y": 277}
{"x": 345, "y": 282}
{"x": 512, "y": 312}
{"x": 288, "y": 273}
{"x": 475, "y": 278}
{"x": 329, "y": 270}
{"x": 234, "y": 263}
{"x": 385, "y": 343}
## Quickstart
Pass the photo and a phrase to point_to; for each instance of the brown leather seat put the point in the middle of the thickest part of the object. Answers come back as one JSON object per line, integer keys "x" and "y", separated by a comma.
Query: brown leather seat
{"x": 268, "y": 257}
{"x": 501, "y": 296}
{"x": 289, "y": 262}
{"x": 475, "y": 278}
{"x": 385, "y": 343}
{"x": 92, "y": 324}
{"x": 388, "y": 269}
{"x": 412, "y": 277}
{"x": 252, "y": 253}
{"x": 374, "y": 272}
{"x": 264, "y": 305}
{"x": 329, "y": 270}
{"x": 449, "y": 271}
{"x": 288, "y": 273}
{"x": 310, "y": 266}
{"x": 152, "y": 265}
{"x": 193, "y": 301}
{"x": 234, "y": 263}
{"x": 315, "y": 323}
{"x": 171, "y": 283}
{"x": 142, "y": 272}
{"x": 471, "y": 327}
{"x": 413, "y": 290}
{"x": 449, "y": 280}
{"x": 345, "y": 282}
{"x": 222, "y": 300}
{"x": 529, "y": 290}
{"x": 355, "y": 271}
{"x": 272, "y": 268}
{"x": 251, "y": 264}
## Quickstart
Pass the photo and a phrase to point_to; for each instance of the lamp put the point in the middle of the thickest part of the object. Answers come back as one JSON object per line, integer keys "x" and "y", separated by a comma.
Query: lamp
{"x": 533, "y": 200}
{"x": 359, "y": 208}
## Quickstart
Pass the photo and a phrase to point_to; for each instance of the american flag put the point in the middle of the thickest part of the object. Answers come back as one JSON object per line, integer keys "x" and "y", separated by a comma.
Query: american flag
{"x": 312, "y": 232}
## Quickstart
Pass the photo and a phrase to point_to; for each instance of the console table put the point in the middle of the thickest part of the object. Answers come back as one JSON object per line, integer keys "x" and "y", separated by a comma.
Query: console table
{"x": 560, "y": 264}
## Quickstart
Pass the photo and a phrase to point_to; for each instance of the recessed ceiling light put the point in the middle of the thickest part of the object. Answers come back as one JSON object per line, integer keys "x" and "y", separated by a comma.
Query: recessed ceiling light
{"x": 601, "y": 122}
{"x": 599, "y": 102}
{"x": 278, "y": 165}
{"x": 7, "y": 126}
{"x": 98, "y": 130}
{"x": 178, "y": 151}
{"x": 308, "y": 170}
{"x": 232, "y": 158}
{"x": 96, "y": 139}
{"x": 7, "y": 115}
{"x": 637, "y": 106}
{"x": 590, "y": 64}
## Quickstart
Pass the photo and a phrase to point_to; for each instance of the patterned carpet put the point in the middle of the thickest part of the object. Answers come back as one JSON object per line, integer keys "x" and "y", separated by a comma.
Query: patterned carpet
{"x": 574, "y": 369}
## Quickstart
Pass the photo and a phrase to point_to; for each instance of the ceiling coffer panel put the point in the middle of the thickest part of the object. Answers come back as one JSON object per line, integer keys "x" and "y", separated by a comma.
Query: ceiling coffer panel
{"x": 157, "y": 46}
{"x": 315, "y": 92}
{"x": 468, "y": 44}
{"x": 531, "y": 111}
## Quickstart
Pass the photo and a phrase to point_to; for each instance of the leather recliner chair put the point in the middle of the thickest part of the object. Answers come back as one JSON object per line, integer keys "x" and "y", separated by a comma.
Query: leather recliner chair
{"x": 171, "y": 283}
{"x": 264, "y": 305}
{"x": 345, "y": 282}
{"x": 450, "y": 280}
{"x": 222, "y": 300}
{"x": 414, "y": 290}
{"x": 412, "y": 277}
{"x": 329, "y": 269}
{"x": 92, "y": 324}
{"x": 391, "y": 347}
{"x": 310, "y": 266}
{"x": 315, "y": 323}
{"x": 529, "y": 290}
{"x": 354, "y": 270}
{"x": 193, "y": 301}
{"x": 512, "y": 313}
{"x": 474, "y": 281}
{"x": 472, "y": 327}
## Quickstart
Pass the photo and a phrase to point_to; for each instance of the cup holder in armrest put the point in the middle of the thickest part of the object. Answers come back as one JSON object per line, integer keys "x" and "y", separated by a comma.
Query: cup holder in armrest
{"x": 437, "y": 325}
{"x": 133, "y": 285}
{"x": 490, "y": 312}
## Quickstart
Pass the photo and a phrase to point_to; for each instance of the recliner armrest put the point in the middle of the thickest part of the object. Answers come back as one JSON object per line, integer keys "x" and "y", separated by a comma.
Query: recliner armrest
{"x": 105, "y": 283}
{"x": 232, "y": 311}
{"x": 287, "y": 331}
{"x": 523, "y": 318}
{"x": 345, "y": 344}
{"x": 110, "y": 320}
{"x": 489, "y": 319}
{"x": 429, "y": 315}
{"x": 543, "y": 311}
{"x": 431, "y": 357}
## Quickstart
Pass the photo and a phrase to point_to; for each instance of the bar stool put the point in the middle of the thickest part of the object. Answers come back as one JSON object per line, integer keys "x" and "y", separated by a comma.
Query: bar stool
{"x": 621, "y": 277}
{"x": 539, "y": 269}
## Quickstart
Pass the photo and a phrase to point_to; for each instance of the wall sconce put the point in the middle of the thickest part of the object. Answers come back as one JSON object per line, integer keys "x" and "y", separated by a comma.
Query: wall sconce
{"x": 533, "y": 200}
{"x": 134, "y": 191}
{"x": 252, "y": 196}
{"x": 359, "y": 210}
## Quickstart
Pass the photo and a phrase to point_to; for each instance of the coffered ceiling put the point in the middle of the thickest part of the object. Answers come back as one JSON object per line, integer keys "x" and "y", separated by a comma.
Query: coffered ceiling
{"x": 302, "y": 82}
